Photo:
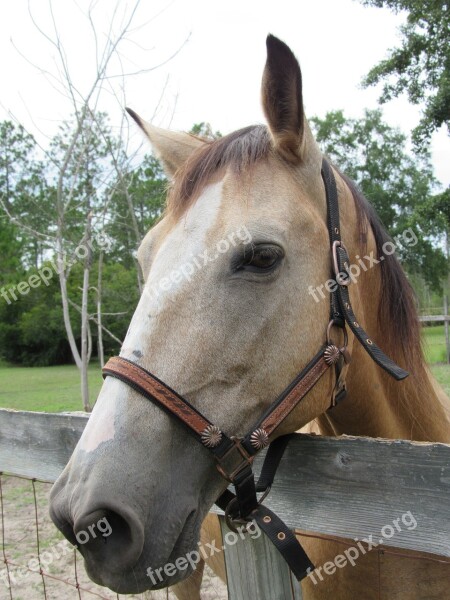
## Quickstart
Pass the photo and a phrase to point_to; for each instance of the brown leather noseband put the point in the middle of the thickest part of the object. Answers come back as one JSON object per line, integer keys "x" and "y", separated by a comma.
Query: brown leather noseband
{"x": 234, "y": 455}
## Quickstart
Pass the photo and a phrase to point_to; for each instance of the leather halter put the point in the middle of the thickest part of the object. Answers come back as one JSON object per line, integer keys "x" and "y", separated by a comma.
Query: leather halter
{"x": 234, "y": 455}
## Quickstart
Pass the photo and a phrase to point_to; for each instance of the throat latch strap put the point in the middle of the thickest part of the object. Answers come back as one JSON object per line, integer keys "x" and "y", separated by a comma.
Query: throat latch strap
{"x": 341, "y": 307}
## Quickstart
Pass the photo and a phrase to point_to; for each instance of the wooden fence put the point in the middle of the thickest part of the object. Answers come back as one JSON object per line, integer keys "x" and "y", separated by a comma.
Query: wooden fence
{"x": 347, "y": 487}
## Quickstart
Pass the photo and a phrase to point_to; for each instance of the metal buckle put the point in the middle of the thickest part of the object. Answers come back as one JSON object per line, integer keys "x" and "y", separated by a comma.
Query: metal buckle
{"x": 248, "y": 460}
{"x": 343, "y": 349}
{"x": 232, "y": 522}
{"x": 339, "y": 276}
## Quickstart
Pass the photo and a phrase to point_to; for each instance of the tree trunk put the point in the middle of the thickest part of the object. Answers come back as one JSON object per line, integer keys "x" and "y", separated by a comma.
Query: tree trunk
{"x": 85, "y": 318}
{"x": 65, "y": 305}
{"x": 446, "y": 295}
{"x": 101, "y": 354}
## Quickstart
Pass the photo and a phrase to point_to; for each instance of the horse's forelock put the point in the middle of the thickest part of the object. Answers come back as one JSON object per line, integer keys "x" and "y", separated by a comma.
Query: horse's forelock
{"x": 238, "y": 151}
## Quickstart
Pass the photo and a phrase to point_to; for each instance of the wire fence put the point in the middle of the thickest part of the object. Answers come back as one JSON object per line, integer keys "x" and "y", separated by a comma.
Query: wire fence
{"x": 35, "y": 570}
{"x": 38, "y": 561}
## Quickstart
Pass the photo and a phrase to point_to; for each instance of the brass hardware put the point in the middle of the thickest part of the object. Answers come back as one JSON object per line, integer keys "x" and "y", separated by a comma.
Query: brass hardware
{"x": 369, "y": 342}
{"x": 355, "y": 323}
{"x": 281, "y": 536}
{"x": 267, "y": 519}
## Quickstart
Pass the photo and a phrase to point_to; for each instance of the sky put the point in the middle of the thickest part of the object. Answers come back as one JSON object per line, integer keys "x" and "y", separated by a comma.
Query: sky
{"x": 215, "y": 75}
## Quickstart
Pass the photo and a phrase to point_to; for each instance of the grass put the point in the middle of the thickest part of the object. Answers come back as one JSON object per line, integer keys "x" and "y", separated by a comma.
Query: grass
{"x": 442, "y": 374}
{"x": 434, "y": 344}
{"x": 57, "y": 389}
{"x": 47, "y": 389}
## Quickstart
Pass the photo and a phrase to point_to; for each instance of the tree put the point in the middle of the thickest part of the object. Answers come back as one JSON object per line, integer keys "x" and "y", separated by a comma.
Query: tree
{"x": 205, "y": 130}
{"x": 400, "y": 187}
{"x": 137, "y": 201}
{"x": 84, "y": 162}
{"x": 420, "y": 67}
{"x": 22, "y": 189}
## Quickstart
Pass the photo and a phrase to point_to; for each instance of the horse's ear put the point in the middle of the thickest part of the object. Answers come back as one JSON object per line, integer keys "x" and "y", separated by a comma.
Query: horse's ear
{"x": 282, "y": 99}
{"x": 171, "y": 147}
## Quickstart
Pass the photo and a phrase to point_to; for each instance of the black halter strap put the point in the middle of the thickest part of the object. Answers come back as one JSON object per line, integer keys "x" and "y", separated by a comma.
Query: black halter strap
{"x": 234, "y": 455}
{"x": 341, "y": 308}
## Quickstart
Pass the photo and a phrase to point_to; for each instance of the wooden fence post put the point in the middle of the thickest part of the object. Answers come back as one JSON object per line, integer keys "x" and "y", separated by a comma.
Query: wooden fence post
{"x": 255, "y": 569}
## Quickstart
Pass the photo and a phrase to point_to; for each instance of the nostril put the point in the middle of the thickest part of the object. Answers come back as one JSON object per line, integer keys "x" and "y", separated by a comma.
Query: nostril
{"x": 107, "y": 537}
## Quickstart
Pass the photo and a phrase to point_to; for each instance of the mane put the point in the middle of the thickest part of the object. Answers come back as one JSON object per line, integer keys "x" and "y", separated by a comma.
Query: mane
{"x": 397, "y": 316}
{"x": 238, "y": 151}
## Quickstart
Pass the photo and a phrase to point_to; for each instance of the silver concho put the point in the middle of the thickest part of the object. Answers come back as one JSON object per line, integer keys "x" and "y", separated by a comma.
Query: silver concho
{"x": 331, "y": 354}
{"x": 259, "y": 439}
{"x": 211, "y": 436}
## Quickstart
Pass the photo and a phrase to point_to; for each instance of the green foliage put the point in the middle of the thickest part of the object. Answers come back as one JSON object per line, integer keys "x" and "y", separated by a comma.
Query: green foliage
{"x": 32, "y": 332}
{"x": 91, "y": 181}
{"x": 120, "y": 295}
{"x": 81, "y": 173}
{"x": 205, "y": 130}
{"x": 31, "y": 327}
{"x": 399, "y": 186}
{"x": 137, "y": 201}
{"x": 21, "y": 192}
{"x": 420, "y": 67}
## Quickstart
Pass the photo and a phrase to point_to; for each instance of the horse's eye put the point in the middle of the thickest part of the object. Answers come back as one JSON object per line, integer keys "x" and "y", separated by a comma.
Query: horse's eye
{"x": 261, "y": 258}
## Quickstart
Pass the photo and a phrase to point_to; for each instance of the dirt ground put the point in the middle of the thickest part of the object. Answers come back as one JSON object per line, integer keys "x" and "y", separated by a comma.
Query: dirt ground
{"x": 57, "y": 556}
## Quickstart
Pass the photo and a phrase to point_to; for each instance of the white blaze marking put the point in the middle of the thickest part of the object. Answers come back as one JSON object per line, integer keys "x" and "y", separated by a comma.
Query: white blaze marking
{"x": 100, "y": 427}
{"x": 185, "y": 242}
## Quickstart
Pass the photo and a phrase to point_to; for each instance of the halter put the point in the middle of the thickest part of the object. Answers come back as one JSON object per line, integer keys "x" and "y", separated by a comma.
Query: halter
{"x": 233, "y": 455}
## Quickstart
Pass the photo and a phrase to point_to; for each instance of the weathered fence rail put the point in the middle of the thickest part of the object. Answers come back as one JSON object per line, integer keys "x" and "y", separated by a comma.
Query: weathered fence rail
{"x": 348, "y": 487}
{"x": 434, "y": 318}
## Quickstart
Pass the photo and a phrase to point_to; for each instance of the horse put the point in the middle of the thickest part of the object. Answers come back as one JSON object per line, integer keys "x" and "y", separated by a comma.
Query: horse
{"x": 229, "y": 315}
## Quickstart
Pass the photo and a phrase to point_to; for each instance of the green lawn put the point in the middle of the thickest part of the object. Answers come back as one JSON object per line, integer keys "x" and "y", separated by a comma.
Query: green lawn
{"x": 442, "y": 374}
{"x": 48, "y": 389}
{"x": 57, "y": 389}
{"x": 434, "y": 347}
{"x": 434, "y": 344}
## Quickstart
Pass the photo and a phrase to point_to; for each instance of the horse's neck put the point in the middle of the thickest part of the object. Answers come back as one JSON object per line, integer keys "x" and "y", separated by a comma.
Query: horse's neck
{"x": 378, "y": 406}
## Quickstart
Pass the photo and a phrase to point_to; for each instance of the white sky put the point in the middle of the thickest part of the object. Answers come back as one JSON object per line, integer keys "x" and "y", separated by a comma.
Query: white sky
{"x": 216, "y": 75}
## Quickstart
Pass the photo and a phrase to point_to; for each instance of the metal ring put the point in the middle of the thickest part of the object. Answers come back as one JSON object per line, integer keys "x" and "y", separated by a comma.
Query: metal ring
{"x": 344, "y": 329}
{"x": 231, "y": 521}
